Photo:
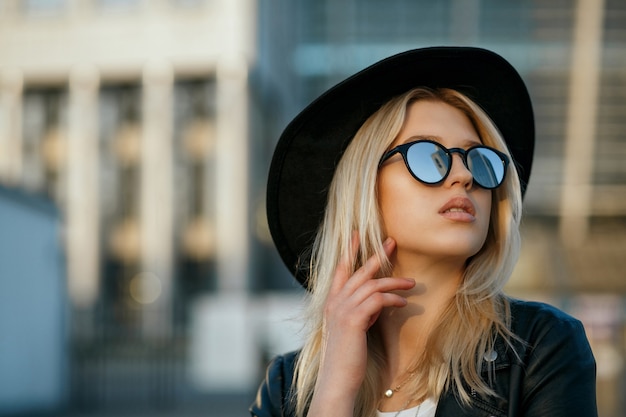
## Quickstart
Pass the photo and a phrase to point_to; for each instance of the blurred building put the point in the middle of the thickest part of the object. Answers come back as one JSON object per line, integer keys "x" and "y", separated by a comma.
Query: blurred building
{"x": 132, "y": 116}
{"x": 151, "y": 125}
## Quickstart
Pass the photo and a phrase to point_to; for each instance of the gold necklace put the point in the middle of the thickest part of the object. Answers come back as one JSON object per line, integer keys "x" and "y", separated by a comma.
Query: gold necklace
{"x": 389, "y": 392}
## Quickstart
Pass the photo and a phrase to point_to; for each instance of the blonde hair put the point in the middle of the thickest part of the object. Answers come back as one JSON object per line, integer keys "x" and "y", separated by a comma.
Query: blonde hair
{"x": 480, "y": 312}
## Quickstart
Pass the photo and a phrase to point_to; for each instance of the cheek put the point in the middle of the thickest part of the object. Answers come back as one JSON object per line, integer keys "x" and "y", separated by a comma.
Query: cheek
{"x": 388, "y": 202}
{"x": 401, "y": 204}
{"x": 485, "y": 207}
{"x": 487, "y": 203}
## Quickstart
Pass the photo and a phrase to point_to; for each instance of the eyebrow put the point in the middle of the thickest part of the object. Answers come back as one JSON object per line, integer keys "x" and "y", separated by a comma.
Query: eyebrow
{"x": 467, "y": 143}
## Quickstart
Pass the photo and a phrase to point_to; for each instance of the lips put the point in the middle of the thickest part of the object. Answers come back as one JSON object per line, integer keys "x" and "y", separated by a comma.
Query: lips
{"x": 459, "y": 208}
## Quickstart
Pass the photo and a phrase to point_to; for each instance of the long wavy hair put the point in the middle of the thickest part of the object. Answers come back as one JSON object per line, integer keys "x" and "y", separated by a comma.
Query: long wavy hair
{"x": 479, "y": 311}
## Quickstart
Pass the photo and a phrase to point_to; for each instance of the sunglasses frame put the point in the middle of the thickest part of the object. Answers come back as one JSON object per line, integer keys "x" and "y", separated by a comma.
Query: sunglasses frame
{"x": 404, "y": 148}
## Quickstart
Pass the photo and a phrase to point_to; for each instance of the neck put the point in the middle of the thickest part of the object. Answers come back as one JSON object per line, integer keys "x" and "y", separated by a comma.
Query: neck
{"x": 404, "y": 331}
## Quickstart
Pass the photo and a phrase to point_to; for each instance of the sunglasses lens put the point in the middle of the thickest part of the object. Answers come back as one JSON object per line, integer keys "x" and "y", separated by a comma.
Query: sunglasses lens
{"x": 486, "y": 166}
{"x": 428, "y": 162}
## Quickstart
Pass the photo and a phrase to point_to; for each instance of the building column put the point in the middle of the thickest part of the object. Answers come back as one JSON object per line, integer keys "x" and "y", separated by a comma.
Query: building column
{"x": 232, "y": 161}
{"x": 156, "y": 200}
{"x": 576, "y": 194}
{"x": 232, "y": 167}
{"x": 83, "y": 188}
{"x": 11, "y": 86}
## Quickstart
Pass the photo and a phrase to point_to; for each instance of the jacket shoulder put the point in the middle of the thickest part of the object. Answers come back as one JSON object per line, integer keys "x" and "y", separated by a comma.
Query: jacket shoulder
{"x": 538, "y": 310}
{"x": 532, "y": 320}
{"x": 273, "y": 397}
{"x": 556, "y": 372}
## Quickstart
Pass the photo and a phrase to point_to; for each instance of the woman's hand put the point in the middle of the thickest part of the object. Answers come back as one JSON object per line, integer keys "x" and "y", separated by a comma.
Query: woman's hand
{"x": 352, "y": 307}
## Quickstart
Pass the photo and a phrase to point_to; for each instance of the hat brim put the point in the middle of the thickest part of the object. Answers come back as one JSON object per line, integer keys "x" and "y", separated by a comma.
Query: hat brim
{"x": 310, "y": 147}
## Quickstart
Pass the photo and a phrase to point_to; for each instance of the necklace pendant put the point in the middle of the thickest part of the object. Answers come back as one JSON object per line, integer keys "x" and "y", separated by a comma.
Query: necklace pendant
{"x": 389, "y": 393}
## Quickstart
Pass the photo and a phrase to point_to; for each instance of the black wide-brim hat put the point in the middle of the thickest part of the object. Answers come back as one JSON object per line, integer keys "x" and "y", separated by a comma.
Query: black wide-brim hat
{"x": 310, "y": 147}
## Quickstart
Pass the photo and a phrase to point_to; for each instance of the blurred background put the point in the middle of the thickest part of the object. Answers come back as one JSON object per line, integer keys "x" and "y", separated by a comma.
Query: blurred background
{"x": 137, "y": 275}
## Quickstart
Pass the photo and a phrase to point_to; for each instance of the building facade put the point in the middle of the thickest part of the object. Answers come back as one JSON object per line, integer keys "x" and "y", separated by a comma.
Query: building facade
{"x": 132, "y": 116}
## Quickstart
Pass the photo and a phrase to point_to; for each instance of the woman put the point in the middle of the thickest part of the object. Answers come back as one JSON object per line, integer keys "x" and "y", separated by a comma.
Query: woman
{"x": 395, "y": 199}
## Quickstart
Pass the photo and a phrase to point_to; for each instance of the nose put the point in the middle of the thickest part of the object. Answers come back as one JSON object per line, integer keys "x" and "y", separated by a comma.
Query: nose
{"x": 459, "y": 173}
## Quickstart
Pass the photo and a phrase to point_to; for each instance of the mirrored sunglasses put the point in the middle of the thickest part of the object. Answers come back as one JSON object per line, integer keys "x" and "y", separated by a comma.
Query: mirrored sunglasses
{"x": 430, "y": 162}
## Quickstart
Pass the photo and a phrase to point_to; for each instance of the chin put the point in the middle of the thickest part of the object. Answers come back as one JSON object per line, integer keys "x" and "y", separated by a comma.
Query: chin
{"x": 457, "y": 245}
{"x": 457, "y": 249}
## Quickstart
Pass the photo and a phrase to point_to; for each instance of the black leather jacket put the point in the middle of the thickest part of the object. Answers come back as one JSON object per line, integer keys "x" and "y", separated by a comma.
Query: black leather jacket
{"x": 556, "y": 376}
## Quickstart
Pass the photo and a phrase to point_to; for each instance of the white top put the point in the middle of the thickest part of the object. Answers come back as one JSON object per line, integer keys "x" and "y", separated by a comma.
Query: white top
{"x": 426, "y": 409}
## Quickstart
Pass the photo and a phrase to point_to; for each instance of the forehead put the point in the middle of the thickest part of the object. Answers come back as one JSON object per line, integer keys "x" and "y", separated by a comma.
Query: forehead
{"x": 440, "y": 122}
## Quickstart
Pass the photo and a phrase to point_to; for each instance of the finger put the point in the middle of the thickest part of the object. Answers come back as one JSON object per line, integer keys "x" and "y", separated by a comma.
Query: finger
{"x": 389, "y": 245}
{"x": 374, "y": 261}
{"x": 381, "y": 285}
{"x": 373, "y": 306}
{"x": 370, "y": 269}
{"x": 358, "y": 314}
{"x": 343, "y": 271}
{"x": 348, "y": 302}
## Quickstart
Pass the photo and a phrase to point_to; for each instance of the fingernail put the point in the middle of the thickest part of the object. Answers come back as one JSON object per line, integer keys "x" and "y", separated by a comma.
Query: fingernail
{"x": 387, "y": 242}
